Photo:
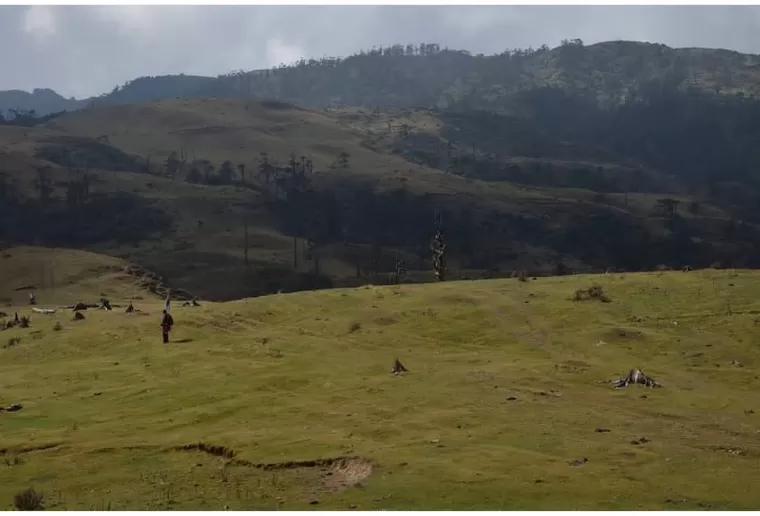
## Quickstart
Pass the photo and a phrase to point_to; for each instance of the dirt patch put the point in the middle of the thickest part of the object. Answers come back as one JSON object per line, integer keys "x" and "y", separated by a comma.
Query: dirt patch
{"x": 347, "y": 472}
{"x": 338, "y": 473}
{"x": 216, "y": 451}
{"x": 29, "y": 449}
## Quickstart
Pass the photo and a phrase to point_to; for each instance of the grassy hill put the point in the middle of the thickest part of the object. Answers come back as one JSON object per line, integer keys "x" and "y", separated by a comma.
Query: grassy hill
{"x": 618, "y": 155}
{"x": 345, "y": 222}
{"x": 287, "y": 401}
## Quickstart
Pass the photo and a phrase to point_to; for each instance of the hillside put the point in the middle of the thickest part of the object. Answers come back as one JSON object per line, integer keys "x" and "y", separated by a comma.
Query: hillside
{"x": 287, "y": 401}
{"x": 618, "y": 155}
{"x": 42, "y": 101}
{"x": 335, "y": 197}
{"x": 426, "y": 75}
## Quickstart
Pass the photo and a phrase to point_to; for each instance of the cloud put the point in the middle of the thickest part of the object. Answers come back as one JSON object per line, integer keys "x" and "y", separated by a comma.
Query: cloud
{"x": 39, "y": 21}
{"x": 87, "y": 50}
{"x": 282, "y": 53}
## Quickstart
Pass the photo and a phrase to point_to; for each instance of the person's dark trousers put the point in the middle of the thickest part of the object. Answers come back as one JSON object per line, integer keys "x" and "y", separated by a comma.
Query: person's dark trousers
{"x": 166, "y": 337}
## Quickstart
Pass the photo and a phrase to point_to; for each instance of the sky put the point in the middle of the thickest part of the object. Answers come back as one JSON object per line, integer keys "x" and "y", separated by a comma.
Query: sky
{"x": 83, "y": 51}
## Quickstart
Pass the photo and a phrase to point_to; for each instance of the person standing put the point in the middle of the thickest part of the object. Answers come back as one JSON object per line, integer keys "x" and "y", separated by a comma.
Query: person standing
{"x": 166, "y": 326}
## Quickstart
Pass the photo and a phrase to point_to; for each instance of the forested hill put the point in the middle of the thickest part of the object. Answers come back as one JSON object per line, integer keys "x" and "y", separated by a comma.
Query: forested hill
{"x": 431, "y": 77}
{"x": 428, "y": 76}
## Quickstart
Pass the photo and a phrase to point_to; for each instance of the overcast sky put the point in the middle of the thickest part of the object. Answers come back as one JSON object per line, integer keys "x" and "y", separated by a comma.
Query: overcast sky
{"x": 84, "y": 51}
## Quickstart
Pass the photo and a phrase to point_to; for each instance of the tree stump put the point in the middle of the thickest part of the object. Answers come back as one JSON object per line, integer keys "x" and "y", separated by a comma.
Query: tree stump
{"x": 398, "y": 367}
{"x": 636, "y": 376}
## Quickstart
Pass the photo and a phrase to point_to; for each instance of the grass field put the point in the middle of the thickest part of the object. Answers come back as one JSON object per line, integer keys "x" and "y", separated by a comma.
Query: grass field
{"x": 507, "y": 385}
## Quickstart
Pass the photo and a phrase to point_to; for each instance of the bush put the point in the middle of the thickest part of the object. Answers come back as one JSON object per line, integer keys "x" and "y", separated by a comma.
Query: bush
{"x": 596, "y": 292}
{"x": 29, "y": 500}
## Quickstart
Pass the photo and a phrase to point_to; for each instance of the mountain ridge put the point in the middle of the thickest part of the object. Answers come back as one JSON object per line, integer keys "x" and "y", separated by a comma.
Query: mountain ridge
{"x": 675, "y": 64}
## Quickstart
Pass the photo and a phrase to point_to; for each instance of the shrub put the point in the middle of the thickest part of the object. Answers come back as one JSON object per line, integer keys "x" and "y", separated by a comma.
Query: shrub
{"x": 28, "y": 500}
{"x": 595, "y": 292}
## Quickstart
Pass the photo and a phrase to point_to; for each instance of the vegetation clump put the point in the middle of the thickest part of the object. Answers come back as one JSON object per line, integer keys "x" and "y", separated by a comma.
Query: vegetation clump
{"x": 595, "y": 292}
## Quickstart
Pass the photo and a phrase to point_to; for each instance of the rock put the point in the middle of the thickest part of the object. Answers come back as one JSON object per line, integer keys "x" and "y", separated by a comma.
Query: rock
{"x": 578, "y": 462}
{"x": 601, "y": 430}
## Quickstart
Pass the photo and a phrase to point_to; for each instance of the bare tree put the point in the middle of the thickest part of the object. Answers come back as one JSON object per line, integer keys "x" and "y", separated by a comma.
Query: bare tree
{"x": 438, "y": 249}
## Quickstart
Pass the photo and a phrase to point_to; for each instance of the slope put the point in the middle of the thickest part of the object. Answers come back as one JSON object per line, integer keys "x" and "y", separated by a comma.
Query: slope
{"x": 507, "y": 393}
{"x": 62, "y": 277}
{"x": 375, "y": 181}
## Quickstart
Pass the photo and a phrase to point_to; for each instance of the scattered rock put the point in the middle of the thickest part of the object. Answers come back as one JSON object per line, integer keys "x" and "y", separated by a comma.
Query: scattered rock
{"x": 15, "y": 407}
{"x": 736, "y": 363}
{"x": 578, "y": 462}
{"x": 314, "y": 502}
{"x": 601, "y": 430}
{"x": 78, "y": 316}
{"x": 749, "y": 412}
{"x": 512, "y": 398}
